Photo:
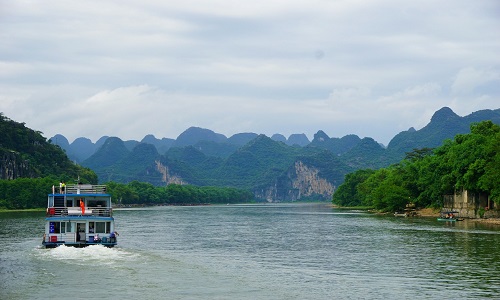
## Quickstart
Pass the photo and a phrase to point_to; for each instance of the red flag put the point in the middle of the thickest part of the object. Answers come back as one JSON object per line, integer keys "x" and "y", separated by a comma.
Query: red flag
{"x": 82, "y": 206}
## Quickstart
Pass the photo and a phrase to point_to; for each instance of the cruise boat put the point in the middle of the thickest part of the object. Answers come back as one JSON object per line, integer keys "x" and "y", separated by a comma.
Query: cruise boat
{"x": 79, "y": 215}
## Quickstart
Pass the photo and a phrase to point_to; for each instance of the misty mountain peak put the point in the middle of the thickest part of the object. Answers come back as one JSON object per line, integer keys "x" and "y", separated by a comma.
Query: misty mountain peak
{"x": 193, "y": 135}
{"x": 321, "y": 136}
{"x": 279, "y": 137}
{"x": 60, "y": 140}
{"x": 443, "y": 115}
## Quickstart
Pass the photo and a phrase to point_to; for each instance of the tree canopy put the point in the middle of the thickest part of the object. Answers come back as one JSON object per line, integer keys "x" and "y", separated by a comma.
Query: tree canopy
{"x": 175, "y": 194}
{"x": 28, "y": 154}
{"x": 469, "y": 161}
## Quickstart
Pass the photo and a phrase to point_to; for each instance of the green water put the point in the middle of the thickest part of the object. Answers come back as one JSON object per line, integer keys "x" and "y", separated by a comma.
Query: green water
{"x": 293, "y": 251}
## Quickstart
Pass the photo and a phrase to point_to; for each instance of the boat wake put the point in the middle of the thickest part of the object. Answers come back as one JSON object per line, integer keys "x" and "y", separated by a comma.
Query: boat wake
{"x": 94, "y": 253}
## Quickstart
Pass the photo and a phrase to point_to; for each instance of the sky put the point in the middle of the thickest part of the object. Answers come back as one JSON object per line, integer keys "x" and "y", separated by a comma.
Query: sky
{"x": 131, "y": 68}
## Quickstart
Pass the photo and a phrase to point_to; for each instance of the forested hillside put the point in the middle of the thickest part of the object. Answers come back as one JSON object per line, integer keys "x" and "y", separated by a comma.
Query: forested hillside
{"x": 272, "y": 169}
{"x": 264, "y": 166}
{"x": 469, "y": 161}
{"x": 26, "y": 153}
{"x": 30, "y": 165}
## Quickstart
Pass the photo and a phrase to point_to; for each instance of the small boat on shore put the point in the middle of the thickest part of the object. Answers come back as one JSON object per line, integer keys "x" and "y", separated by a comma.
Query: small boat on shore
{"x": 449, "y": 216}
{"x": 79, "y": 215}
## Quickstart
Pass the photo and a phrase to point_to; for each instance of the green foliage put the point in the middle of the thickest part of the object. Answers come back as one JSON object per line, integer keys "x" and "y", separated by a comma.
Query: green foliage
{"x": 257, "y": 163}
{"x": 31, "y": 155}
{"x": 23, "y": 193}
{"x": 175, "y": 194}
{"x": 471, "y": 161}
{"x": 200, "y": 157}
{"x": 366, "y": 154}
{"x": 390, "y": 194}
{"x": 111, "y": 152}
{"x": 31, "y": 166}
{"x": 348, "y": 193}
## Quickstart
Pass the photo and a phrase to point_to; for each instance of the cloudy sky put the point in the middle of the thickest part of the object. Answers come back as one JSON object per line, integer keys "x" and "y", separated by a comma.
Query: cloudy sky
{"x": 131, "y": 68}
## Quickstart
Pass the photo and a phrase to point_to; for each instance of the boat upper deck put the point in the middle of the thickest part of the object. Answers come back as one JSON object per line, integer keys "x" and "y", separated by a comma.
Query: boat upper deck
{"x": 77, "y": 189}
{"x": 79, "y": 199}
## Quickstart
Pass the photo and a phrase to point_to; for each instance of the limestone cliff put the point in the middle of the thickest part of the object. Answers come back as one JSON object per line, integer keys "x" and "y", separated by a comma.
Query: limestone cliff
{"x": 308, "y": 181}
{"x": 301, "y": 181}
{"x": 167, "y": 177}
{"x": 12, "y": 166}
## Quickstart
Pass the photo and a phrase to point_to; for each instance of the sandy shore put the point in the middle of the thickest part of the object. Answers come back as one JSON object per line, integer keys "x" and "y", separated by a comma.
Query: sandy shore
{"x": 428, "y": 212}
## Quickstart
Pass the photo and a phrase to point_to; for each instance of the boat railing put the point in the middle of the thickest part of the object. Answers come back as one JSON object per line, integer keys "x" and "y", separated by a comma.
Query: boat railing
{"x": 85, "y": 189}
{"x": 83, "y": 238}
{"x": 77, "y": 211}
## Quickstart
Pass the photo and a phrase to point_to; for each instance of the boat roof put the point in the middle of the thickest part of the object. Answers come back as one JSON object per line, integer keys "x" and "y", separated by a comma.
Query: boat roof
{"x": 79, "y": 218}
{"x": 81, "y": 195}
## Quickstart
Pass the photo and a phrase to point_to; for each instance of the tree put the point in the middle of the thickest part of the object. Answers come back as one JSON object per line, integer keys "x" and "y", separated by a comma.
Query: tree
{"x": 347, "y": 194}
{"x": 470, "y": 161}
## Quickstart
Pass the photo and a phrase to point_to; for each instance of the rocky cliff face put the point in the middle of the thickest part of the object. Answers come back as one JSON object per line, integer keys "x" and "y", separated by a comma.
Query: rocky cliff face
{"x": 307, "y": 180}
{"x": 12, "y": 166}
{"x": 301, "y": 181}
{"x": 167, "y": 177}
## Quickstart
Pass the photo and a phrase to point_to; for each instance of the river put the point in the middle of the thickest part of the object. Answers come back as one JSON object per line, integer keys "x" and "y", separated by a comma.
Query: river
{"x": 272, "y": 251}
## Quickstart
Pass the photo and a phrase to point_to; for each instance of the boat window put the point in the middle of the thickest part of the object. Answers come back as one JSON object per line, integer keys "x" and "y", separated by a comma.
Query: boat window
{"x": 92, "y": 227}
{"x": 96, "y": 203}
{"x": 100, "y": 227}
{"x": 55, "y": 227}
{"x": 108, "y": 227}
{"x": 70, "y": 227}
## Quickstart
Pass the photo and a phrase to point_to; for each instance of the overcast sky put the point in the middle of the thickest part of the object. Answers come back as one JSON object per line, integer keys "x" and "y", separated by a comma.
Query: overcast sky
{"x": 132, "y": 68}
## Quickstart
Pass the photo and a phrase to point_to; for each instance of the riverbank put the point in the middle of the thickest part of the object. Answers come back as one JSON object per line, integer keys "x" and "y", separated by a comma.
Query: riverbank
{"x": 430, "y": 212}
{"x": 494, "y": 221}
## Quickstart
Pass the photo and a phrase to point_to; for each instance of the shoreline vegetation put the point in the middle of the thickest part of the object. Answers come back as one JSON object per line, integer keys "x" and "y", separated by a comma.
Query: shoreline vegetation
{"x": 427, "y": 177}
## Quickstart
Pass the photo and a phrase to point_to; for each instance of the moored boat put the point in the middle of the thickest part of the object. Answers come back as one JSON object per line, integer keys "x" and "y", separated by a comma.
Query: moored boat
{"x": 79, "y": 215}
{"x": 449, "y": 216}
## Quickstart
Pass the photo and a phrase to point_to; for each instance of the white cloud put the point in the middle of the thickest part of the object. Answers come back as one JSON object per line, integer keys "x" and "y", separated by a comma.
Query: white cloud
{"x": 371, "y": 68}
{"x": 12, "y": 69}
{"x": 469, "y": 79}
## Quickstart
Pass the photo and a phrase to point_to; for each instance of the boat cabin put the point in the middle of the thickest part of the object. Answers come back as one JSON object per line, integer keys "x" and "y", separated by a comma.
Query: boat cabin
{"x": 79, "y": 215}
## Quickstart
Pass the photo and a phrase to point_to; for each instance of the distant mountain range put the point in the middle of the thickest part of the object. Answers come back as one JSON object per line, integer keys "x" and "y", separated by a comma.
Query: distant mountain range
{"x": 213, "y": 143}
{"x": 274, "y": 168}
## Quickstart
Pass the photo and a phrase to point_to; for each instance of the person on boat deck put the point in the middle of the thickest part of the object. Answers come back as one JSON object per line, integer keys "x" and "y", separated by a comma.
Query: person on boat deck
{"x": 113, "y": 235}
{"x": 96, "y": 238}
{"x": 91, "y": 229}
{"x": 82, "y": 206}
